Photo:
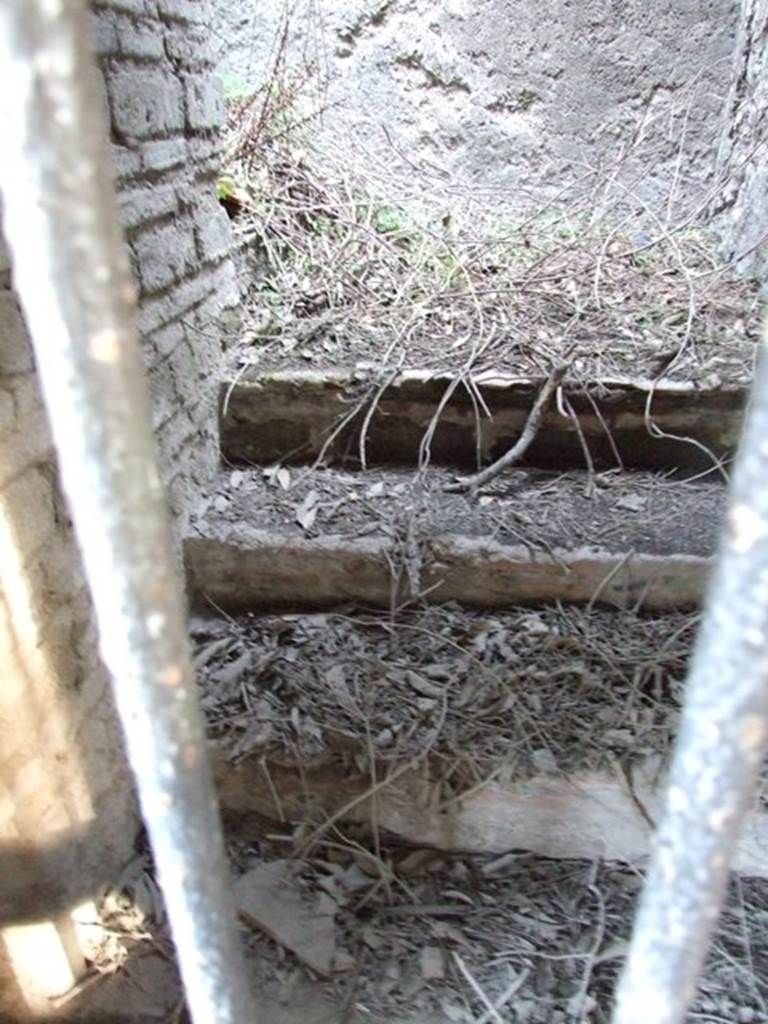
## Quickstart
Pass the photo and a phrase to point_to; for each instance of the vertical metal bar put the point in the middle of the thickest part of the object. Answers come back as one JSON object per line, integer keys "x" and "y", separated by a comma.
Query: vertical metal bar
{"x": 73, "y": 278}
{"x": 719, "y": 751}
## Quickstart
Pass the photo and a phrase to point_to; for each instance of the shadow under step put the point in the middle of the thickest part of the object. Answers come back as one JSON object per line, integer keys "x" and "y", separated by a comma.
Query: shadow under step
{"x": 272, "y": 539}
{"x": 351, "y": 417}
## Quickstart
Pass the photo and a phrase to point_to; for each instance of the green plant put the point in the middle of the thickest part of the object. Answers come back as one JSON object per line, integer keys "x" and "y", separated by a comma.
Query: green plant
{"x": 388, "y": 220}
{"x": 236, "y": 89}
{"x": 226, "y": 188}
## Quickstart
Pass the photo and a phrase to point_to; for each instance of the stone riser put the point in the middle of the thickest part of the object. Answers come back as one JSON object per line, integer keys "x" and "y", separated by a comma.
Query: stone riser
{"x": 289, "y": 416}
{"x": 586, "y": 814}
{"x": 269, "y": 571}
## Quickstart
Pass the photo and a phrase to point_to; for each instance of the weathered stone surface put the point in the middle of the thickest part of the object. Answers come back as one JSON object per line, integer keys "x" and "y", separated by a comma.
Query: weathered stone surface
{"x": 128, "y": 6}
{"x": 188, "y": 11}
{"x": 6, "y": 411}
{"x": 214, "y": 236}
{"x": 164, "y": 254}
{"x": 163, "y": 154}
{"x": 125, "y": 162}
{"x": 67, "y": 815}
{"x": 204, "y": 102}
{"x": 290, "y": 415}
{"x": 145, "y": 103}
{"x": 146, "y": 203}
{"x": 68, "y": 818}
{"x": 15, "y": 351}
{"x": 166, "y": 108}
{"x": 128, "y": 37}
{"x": 390, "y": 536}
{"x": 269, "y": 897}
{"x": 267, "y": 570}
{"x": 516, "y": 98}
{"x": 743, "y": 205}
{"x": 589, "y": 814}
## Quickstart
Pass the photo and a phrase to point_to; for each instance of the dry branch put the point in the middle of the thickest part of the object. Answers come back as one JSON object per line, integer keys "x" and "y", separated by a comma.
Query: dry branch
{"x": 518, "y": 450}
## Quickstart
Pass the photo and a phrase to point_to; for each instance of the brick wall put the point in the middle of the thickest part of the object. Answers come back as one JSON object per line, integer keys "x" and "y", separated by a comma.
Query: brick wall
{"x": 67, "y": 815}
{"x": 165, "y": 111}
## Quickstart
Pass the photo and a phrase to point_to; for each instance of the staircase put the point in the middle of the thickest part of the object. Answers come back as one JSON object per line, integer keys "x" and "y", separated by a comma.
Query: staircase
{"x": 318, "y": 504}
{"x": 396, "y": 672}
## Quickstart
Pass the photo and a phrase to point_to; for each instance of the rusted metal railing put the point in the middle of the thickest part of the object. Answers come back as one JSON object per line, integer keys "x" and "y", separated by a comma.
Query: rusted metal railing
{"x": 72, "y": 275}
{"x": 719, "y": 751}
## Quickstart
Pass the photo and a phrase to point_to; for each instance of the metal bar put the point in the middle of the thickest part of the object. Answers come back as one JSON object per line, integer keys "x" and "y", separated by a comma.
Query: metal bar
{"x": 719, "y": 751}
{"x": 71, "y": 272}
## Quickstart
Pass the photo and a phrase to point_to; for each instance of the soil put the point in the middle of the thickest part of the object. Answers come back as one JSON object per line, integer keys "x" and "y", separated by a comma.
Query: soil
{"x": 724, "y": 358}
{"x": 544, "y": 940}
{"x": 428, "y": 938}
{"x": 641, "y": 512}
{"x": 324, "y": 290}
{"x": 550, "y": 935}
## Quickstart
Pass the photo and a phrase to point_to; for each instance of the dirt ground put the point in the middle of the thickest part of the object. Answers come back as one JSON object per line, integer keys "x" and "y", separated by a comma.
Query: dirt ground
{"x": 513, "y": 692}
{"x": 334, "y": 275}
{"x": 544, "y": 941}
{"x": 644, "y": 512}
{"x": 419, "y": 935}
{"x": 723, "y": 352}
{"x": 431, "y": 938}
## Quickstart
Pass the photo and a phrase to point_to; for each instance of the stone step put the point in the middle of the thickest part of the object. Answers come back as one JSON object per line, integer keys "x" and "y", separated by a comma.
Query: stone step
{"x": 479, "y": 733}
{"x": 361, "y": 416}
{"x": 280, "y": 538}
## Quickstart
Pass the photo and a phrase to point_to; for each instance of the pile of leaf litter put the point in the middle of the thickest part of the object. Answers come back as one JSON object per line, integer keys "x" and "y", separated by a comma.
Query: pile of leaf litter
{"x": 336, "y": 271}
{"x": 415, "y": 934}
{"x": 421, "y": 938}
{"x": 500, "y": 696}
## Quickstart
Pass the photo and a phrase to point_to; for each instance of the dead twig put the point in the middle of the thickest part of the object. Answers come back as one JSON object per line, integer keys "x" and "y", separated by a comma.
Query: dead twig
{"x": 491, "y": 1013}
{"x": 372, "y": 790}
{"x": 521, "y": 446}
{"x": 565, "y": 408}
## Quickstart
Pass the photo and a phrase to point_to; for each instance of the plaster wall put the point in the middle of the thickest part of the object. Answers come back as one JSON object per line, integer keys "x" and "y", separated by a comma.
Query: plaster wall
{"x": 504, "y": 98}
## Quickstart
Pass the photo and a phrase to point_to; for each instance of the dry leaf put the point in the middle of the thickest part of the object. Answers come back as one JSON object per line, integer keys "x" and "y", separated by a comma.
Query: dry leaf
{"x": 422, "y": 686}
{"x": 230, "y": 675}
{"x": 336, "y": 682}
{"x": 631, "y": 502}
{"x": 544, "y": 761}
{"x": 210, "y": 651}
{"x": 449, "y": 932}
{"x": 432, "y": 963}
{"x": 306, "y": 513}
{"x": 372, "y": 938}
{"x": 343, "y": 961}
{"x": 269, "y": 898}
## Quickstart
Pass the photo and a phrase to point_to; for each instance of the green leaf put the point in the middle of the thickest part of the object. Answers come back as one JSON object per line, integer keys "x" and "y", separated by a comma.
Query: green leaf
{"x": 225, "y": 188}
{"x": 388, "y": 219}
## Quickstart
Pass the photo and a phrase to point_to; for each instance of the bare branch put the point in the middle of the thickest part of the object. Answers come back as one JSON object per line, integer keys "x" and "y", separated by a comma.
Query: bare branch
{"x": 523, "y": 443}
